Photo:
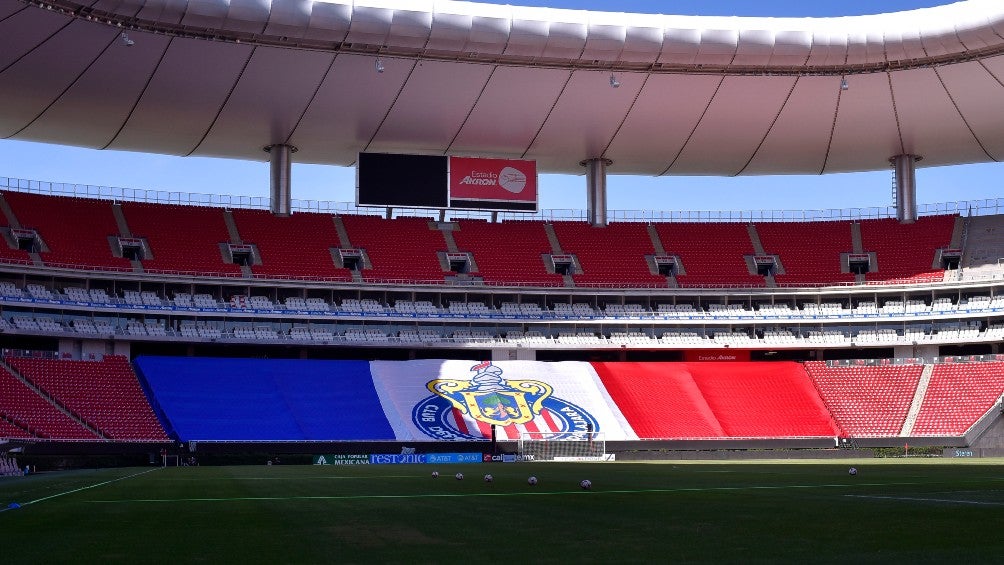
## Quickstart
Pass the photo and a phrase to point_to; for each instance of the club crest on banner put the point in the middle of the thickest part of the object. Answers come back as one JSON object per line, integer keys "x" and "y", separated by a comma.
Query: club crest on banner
{"x": 467, "y": 409}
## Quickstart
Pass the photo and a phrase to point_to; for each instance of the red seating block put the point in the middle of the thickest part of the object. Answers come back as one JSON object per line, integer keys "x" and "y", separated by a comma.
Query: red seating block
{"x": 184, "y": 239}
{"x": 959, "y": 394}
{"x": 105, "y": 393}
{"x": 399, "y": 249}
{"x": 809, "y": 251}
{"x": 905, "y": 252}
{"x": 10, "y": 431}
{"x": 613, "y": 255}
{"x": 36, "y": 413}
{"x": 295, "y": 246}
{"x": 867, "y": 401}
{"x": 508, "y": 252}
{"x": 76, "y": 230}
{"x": 712, "y": 253}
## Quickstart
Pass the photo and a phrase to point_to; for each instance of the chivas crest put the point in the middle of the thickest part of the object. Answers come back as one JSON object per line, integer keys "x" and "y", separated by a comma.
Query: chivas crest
{"x": 491, "y": 399}
{"x": 467, "y": 409}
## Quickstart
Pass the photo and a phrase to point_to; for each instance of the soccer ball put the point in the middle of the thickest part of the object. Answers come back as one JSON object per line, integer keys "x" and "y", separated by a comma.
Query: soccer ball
{"x": 531, "y": 481}
{"x": 586, "y": 484}
{"x": 460, "y": 476}
{"x": 852, "y": 471}
{"x": 489, "y": 478}
{"x": 435, "y": 474}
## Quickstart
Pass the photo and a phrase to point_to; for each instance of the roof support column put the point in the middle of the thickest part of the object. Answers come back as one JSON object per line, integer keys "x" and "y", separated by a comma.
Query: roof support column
{"x": 905, "y": 168}
{"x": 596, "y": 189}
{"x": 280, "y": 174}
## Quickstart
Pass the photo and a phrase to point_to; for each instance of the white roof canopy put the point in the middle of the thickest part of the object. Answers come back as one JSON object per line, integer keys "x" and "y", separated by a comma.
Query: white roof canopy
{"x": 696, "y": 95}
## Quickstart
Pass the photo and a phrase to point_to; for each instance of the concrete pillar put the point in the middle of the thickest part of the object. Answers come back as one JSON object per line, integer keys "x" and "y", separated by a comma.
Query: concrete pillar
{"x": 905, "y": 167}
{"x": 596, "y": 190}
{"x": 280, "y": 175}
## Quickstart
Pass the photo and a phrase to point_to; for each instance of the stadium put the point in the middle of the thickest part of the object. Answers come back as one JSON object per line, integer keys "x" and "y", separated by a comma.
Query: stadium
{"x": 444, "y": 321}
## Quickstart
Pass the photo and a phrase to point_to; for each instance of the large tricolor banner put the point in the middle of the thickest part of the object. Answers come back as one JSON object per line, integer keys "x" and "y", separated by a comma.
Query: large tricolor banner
{"x": 504, "y": 184}
{"x": 461, "y": 400}
{"x": 226, "y": 399}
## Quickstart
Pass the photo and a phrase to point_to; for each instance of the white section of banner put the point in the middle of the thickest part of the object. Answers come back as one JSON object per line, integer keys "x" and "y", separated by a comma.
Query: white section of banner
{"x": 402, "y": 386}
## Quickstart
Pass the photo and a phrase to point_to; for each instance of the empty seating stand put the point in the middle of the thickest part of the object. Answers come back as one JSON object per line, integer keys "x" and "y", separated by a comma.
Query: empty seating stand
{"x": 958, "y": 395}
{"x": 33, "y": 413}
{"x": 10, "y": 430}
{"x": 75, "y": 230}
{"x": 905, "y": 252}
{"x": 712, "y": 253}
{"x": 187, "y": 239}
{"x": 613, "y": 255}
{"x": 867, "y": 401}
{"x": 183, "y": 239}
{"x": 104, "y": 393}
{"x": 295, "y": 246}
{"x": 399, "y": 249}
{"x": 808, "y": 251}
{"x": 509, "y": 252}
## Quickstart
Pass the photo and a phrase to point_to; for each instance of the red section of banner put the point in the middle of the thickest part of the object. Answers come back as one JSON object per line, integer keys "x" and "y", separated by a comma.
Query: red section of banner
{"x": 696, "y": 355}
{"x": 659, "y": 400}
{"x": 712, "y": 400}
{"x": 496, "y": 180}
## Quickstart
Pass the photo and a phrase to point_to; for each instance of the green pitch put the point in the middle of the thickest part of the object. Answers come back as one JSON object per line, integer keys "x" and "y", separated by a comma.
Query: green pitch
{"x": 892, "y": 511}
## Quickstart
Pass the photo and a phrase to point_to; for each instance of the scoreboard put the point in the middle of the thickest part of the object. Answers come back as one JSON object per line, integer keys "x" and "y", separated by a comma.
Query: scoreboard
{"x": 427, "y": 181}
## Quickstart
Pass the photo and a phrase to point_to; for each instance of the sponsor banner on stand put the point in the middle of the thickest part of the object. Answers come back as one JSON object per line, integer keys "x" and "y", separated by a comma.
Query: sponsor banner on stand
{"x": 695, "y": 355}
{"x": 509, "y": 183}
{"x": 436, "y": 458}
{"x": 507, "y": 457}
{"x": 342, "y": 459}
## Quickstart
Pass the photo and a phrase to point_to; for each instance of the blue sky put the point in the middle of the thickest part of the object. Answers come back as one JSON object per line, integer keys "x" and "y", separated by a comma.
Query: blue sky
{"x": 37, "y": 161}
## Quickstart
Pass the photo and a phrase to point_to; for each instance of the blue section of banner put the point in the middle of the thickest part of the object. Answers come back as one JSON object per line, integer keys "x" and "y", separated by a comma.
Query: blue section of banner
{"x": 207, "y": 399}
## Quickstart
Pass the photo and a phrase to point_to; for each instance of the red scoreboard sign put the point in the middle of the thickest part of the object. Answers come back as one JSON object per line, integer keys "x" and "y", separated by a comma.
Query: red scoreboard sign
{"x": 503, "y": 184}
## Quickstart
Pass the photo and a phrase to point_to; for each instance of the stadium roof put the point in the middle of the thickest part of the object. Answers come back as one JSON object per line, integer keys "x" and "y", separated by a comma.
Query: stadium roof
{"x": 694, "y": 95}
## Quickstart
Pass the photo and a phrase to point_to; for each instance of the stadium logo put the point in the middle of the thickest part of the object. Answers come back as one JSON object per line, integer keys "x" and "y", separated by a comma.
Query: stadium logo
{"x": 512, "y": 180}
{"x": 467, "y": 409}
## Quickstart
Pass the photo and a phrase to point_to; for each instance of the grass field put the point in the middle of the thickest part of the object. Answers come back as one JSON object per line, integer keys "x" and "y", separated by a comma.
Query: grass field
{"x": 892, "y": 511}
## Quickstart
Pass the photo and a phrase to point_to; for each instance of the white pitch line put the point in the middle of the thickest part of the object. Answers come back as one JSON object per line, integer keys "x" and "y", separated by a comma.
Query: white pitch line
{"x": 921, "y": 499}
{"x": 51, "y": 496}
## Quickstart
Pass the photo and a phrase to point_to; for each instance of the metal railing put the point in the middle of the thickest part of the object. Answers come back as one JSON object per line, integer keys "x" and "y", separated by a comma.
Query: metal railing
{"x": 99, "y": 270}
{"x": 938, "y": 360}
{"x": 980, "y": 207}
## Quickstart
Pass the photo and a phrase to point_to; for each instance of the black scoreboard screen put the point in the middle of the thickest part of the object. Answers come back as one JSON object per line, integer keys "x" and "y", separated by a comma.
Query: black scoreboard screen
{"x": 412, "y": 181}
